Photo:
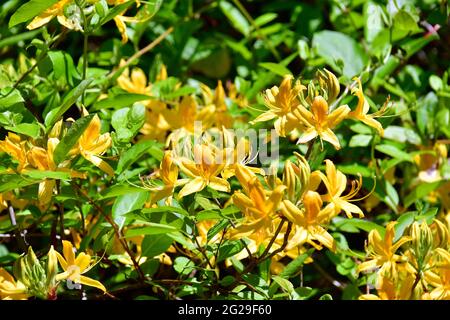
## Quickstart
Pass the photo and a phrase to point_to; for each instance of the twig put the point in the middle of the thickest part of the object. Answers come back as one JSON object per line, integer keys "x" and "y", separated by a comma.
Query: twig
{"x": 258, "y": 30}
{"x": 18, "y": 233}
{"x": 141, "y": 52}
{"x": 117, "y": 231}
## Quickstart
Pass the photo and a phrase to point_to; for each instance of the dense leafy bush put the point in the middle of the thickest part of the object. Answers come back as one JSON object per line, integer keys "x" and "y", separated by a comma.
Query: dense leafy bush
{"x": 224, "y": 149}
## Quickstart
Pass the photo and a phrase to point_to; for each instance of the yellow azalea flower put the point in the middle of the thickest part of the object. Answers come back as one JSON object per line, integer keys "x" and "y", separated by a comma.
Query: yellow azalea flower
{"x": 10, "y": 289}
{"x": 216, "y": 101}
{"x": 184, "y": 114}
{"x": 392, "y": 288}
{"x": 336, "y": 182}
{"x": 155, "y": 126}
{"x": 75, "y": 267}
{"x": 121, "y": 19}
{"x": 235, "y": 96}
{"x": 15, "y": 203}
{"x": 237, "y": 154}
{"x": 309, "y": 221}
{"x": 430, "y": 163}
{"x": 56, "y": 10}
{"x": 360, "y": 113}
{"x": 134, "y": 83}
{"x": 258, "y": 208}
{"x": 439, "y": 276}
{"x": 320, "y": 122}
{"x": 382, "y": 252}
{"x": 15, "y": 147}
{"x": 168, "y": 173}
{"x": 203, "y": 171}
{"x": 282, "y": 101}
{"x": 91, "y": 144}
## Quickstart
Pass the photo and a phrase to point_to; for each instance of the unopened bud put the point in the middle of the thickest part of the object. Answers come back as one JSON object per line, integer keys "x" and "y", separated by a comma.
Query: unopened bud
{"x": 422, "y": 241}
{"x": 330, "y": 84}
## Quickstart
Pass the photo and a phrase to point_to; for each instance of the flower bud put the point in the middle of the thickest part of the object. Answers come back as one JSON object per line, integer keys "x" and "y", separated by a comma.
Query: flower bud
{"x": 441, "y": 235}
{"x": 422, "y": 241}
{"x": 29, "y": 270}
{"x": 330, "y": 84}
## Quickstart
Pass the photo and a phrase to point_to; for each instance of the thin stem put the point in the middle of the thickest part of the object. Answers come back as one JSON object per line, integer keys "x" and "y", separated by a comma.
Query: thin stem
{"x": 141, "y": 52}
{"x": 269, "y": 246}
{"x": 258, "y": 30}
{"x": 117, "y": 231}
{"x": 283, "y": 246}
{"x": 60, "y": 211}
{"x": 18, "y": 233}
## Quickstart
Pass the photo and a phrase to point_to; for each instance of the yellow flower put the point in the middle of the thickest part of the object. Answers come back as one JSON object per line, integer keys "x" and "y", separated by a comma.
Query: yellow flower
{"x": 169, "y": 175}
{"x": 184, "y": 114}
{"x": 382, "y": 251}
{"x": 259, "y": 209}
{"x": 10, "y": 289}
{"x": 91, "y": 144}
{"x": 237, "y": 154}
{"x": 203, "y": 171}
{"x": 309, "y": 221}
{"x": 155, "y": 126}
{"x": 360, "y": 113}
{"x": 216, "y": 101}
{"x": 336, "y": 182}
{"x": 121, "y": 19}
{"x": 320, "y": 122}
{"x": 439, "y": 277}
{"x": 15, "y": 147}
{"x": 282, "y": 101}
{"x": 392, "y": 288}
{"x": 134, "y": 83}
{"x": 57, "y": 10}
{"x": 74, "y": 268}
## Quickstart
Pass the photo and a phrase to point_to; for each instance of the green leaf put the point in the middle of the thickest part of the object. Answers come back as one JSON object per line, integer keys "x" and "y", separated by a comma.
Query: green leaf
{"x": 71, "y": 138}
{"x": 391, "y": 198}
{"x": 63, "y": 66}
{"x": 165, "y": 209}
{"x": 55, "y": 114}
{"x": 276, "y": 68}
{"x": 116, "y": 10}
{"x": 30, "y": 10}
{"x": 151, "y": 228}
{"x": 12, "y": 181}
{"x": 154, "y": 245}
{"x": 229, "y": 249}
{"x": 414, "y": 45}
{"x": 183, "y": 265}
{"x": 133, "y": 154}
{"x": 394, "y": 152}
{"x": 40, "y": 174}
{"x": 128, "y": 121}
{"x": 373, "y": 14}
{"x": 29, "y": 129}
{"x": 404, "y": 24}
{"x": 119, "y": 101}
{"x": 336, "y": 48}
{"x": 10, "y": 98}
{"x": 222, "y": 224}
{"x": 148, "y": 10}
{"x": 127, "y": 203}
{"x": 365, "y": 225}
{"x": 118, "y": 190}
{"x": 360, "y": 140}
{"x": 295, "y": 265}
{"x": 421, "y": 191}
{"x": 237, "y": 19}
{"x": 401, "y": 134}
{"x": 403, "y": 222}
